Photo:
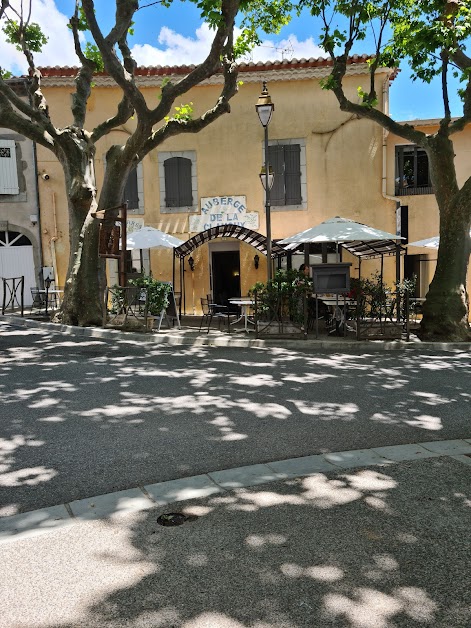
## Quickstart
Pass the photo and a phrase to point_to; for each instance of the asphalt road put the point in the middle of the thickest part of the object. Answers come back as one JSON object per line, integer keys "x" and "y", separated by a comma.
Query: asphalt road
{"x": 82, "y": 417}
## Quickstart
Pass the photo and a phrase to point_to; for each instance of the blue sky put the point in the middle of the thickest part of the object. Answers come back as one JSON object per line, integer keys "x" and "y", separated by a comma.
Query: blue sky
{"x": 177, "y": 36}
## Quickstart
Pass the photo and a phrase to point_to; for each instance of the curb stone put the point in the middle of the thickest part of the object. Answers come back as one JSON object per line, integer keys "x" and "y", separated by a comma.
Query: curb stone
{"x": 138, "y": 499}
{"x": 176, "y": 339}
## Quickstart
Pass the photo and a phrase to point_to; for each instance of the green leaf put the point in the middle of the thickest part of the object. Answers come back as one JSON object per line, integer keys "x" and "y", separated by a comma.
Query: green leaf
{"x": 30, "y": 35}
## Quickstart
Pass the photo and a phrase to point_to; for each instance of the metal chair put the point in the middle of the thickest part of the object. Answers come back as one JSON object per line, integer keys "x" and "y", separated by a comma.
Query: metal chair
{"x": 213, "y": 310}
{"x": 39, "y": 300}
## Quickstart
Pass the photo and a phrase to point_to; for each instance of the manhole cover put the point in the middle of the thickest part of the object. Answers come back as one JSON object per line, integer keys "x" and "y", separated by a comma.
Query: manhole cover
{"x": 174, "y": 519}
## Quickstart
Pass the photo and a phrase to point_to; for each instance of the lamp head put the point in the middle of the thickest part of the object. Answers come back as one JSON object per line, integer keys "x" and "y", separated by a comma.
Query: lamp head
{"x": 263, "y": 177}
{"x": 264, "y": 106}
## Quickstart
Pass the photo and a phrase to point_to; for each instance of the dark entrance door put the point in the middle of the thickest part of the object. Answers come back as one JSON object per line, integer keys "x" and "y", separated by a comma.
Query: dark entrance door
{"x": 226, "y": 276}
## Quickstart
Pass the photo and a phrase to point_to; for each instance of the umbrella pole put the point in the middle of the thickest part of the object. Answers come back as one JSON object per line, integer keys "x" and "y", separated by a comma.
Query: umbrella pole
{"x": 182, "y": 280}
{"x": 173, "y": 270}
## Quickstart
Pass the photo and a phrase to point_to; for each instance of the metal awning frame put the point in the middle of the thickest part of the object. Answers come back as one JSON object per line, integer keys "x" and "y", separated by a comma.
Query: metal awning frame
{"x": 255, "y": 239}
{"x": 361, "y": 249}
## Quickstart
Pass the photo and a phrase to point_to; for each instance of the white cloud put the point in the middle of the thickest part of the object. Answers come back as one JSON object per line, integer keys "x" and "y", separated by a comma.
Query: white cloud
{"x": 172, "y": 48}
{"x": 175, "y": 49}
{"x": 59, "y": 50}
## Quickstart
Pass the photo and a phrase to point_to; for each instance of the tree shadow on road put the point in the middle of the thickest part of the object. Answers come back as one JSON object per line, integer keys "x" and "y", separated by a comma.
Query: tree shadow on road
{"x": 82, "y": 417}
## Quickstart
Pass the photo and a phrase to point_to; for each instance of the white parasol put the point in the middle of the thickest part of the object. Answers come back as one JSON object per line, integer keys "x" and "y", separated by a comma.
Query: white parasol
{"x": 150, "y": 238}
{"x": 340, "y": 230}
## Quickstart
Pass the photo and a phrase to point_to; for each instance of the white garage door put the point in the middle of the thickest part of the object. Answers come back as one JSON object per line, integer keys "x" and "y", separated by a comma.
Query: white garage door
{"x": 16, "y": 260}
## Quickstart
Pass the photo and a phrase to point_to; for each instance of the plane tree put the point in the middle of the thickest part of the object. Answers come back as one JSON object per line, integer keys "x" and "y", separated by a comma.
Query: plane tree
{"x": 432, "y": 37}
{"x": 74, "y": 145}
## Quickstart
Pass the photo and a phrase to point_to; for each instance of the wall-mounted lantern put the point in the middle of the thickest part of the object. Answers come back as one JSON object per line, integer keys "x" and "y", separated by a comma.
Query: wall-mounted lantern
{"x": 256, "y": 260}
{"x": 191, "y": 263}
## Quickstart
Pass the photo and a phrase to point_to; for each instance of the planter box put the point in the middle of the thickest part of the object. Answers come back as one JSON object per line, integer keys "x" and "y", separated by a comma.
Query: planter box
{"x": 276, "y": 329}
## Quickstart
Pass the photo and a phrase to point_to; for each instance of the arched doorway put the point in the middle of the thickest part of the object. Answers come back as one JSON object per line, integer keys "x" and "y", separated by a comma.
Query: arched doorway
{"x": 227, "y": 262}
{"x": 16, "y": 260}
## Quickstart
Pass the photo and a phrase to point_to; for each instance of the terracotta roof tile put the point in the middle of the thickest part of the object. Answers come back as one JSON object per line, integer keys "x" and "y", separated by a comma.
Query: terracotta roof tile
{"x": 166, "y": 70}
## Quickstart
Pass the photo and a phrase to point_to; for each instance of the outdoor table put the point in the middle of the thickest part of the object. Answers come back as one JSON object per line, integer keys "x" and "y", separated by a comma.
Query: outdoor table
{"x": 245, "y": 305}
{"x": 53, "y": 297}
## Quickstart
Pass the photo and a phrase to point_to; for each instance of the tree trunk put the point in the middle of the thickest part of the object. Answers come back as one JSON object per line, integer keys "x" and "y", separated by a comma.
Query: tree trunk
{"x": 83, "y": 302}
{"x": 83, "y": 296}
{"x": 446, "y": 306}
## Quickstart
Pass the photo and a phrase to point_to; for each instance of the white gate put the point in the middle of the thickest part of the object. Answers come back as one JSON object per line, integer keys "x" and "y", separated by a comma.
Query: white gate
{"x": 17, "y": 261}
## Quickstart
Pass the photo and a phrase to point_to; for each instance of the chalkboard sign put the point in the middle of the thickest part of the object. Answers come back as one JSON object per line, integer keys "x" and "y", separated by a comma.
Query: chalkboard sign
{"x": 331, "y": 278}
{"x": 171, "y": 314}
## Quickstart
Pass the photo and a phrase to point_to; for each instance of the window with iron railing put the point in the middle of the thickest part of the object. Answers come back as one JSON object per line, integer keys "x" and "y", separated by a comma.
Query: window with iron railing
{"x": 412, "y": 171}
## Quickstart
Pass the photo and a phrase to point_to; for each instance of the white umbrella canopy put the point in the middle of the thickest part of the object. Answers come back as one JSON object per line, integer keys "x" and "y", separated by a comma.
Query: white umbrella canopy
{"x": 340, "y": 230}
{"x": 150, "y": 238}
{"x": 428, "y": 243}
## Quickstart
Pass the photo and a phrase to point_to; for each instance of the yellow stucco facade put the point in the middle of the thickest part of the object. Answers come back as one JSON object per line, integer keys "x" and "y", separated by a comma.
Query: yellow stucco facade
{"x": 347, "y": 169}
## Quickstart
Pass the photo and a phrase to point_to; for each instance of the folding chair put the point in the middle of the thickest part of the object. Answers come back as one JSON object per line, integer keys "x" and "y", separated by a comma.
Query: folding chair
{"x": 39, "y": 300}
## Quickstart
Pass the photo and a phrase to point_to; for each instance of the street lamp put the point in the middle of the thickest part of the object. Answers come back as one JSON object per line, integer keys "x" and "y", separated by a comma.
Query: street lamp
{"x": 265, "y": 109}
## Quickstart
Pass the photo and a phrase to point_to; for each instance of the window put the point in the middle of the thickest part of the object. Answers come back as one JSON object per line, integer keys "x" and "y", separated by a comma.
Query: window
{"x": 13, "y": 238}
{"x": 134, "y": 191}
{"x": 177, "y": 180}
{"x": 288, "y": 160}
{"x": 412, "y": 171}
{"x": 130, "y": 194}
{"x": 286, "y": 163}
{"x": 8, "y": 169}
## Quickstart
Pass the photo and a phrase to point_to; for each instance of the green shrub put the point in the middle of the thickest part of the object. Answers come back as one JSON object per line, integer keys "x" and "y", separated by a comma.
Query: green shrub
{"x": 157, "y": 293}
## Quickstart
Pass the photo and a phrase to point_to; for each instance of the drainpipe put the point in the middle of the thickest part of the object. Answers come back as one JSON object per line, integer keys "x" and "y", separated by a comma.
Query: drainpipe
{"x": 54, "y": 239}
{"x": 385, "y": 153}
{"x": 38, "y": 208}
{"x": 384, "y": 176}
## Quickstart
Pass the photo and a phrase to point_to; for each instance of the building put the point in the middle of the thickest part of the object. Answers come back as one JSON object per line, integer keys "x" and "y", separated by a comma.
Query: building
{"x": 326, "y": 163}
{"x": 20, "y": 241}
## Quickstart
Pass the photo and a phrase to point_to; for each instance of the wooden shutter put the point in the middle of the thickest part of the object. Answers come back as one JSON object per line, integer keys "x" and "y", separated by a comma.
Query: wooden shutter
{"x": 130, "y": 191}
{"x": 178, "y": 192}
{"x": 293, "y": 174}
{"x": 276, "y": 161}
{"x": 8, "y": 170}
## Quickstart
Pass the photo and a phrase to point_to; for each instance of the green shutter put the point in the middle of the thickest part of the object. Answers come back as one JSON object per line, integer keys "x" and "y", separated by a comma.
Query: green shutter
{"x": 171, "y": 182}
{"x": 130, "y": 191}
{"x": 184, "y": 182}
{"x": 276, "y": 161}
{"x": 293, "y": 174}
{"x": 178, "y": 192}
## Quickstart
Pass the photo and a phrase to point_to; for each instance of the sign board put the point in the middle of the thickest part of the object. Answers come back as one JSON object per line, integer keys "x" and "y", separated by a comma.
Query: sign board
{"x": 172, "y": 311}
{"x": 134, "y": 224}
{"x": 331, "y": 278}
{"x": 223, "y": 210}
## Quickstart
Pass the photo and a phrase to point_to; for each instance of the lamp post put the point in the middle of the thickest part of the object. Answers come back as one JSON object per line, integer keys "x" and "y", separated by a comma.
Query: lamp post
{"x": 265, "y": 108}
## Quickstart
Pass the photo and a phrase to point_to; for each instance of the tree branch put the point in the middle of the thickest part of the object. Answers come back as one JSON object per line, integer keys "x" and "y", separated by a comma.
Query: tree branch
{"x": 174, "y": 127}
{"x": 125, "y": 111}
{"x": 84, "y": 77}
{"x": 444, "y": 123}
{"x": 205, "y": 69}
{"x": 125, "y": 10}
{"x": 406, "y": 131}
{"x": 38, "y": 133}
{"x": 24, "y": 107}
{"x": 379, "y": 41}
